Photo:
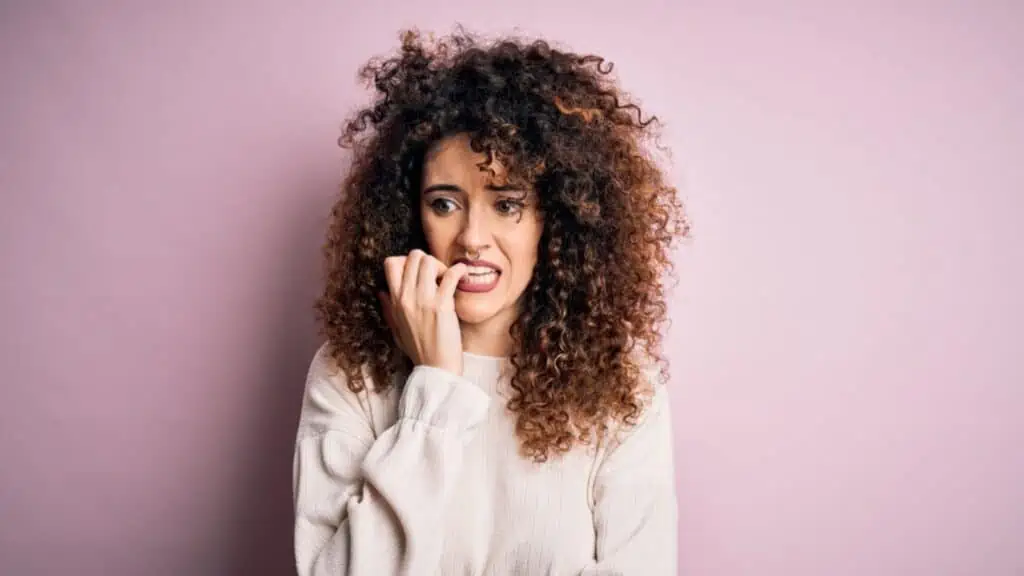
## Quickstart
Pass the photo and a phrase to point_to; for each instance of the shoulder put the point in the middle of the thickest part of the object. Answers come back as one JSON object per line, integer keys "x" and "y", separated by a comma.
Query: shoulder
{"x": 644, "y": 444}
{"x": 652, "y": 395}
{"x": 652, "y": 387}
{"x": 325, "y": 375}
{"x": 325, "y": 371}
{"x": 328, "y": 400}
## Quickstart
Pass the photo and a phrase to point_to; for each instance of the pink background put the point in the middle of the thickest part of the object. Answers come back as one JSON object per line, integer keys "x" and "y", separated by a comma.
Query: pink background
{"x": 847, "y": 337}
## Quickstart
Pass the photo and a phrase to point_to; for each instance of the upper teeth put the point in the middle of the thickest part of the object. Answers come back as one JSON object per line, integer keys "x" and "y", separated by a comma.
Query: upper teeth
{"x": 480, "y": 270}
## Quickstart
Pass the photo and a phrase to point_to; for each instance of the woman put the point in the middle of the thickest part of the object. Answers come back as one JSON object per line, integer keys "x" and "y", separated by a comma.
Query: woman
{"x": 491, "y": 398}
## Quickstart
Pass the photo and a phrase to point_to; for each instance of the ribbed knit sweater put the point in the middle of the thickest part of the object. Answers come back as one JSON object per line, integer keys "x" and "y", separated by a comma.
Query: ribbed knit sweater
{"x": 427, "y": 479}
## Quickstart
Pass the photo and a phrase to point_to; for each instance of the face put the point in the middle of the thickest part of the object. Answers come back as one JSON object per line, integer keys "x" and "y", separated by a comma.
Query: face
{"x": 464, "y": 208}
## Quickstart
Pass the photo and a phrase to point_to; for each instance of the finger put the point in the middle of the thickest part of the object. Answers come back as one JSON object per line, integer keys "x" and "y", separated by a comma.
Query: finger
{"x": 411, "y": 272}
{"x": 450, "y": 281}
{"x": 441, "y": 269}
{"x": 393, "y": 267}
{"x": 427, "y": 288}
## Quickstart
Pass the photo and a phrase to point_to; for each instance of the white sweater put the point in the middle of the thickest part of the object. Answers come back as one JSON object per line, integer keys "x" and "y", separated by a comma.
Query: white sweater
{"x": 427, "y": 479}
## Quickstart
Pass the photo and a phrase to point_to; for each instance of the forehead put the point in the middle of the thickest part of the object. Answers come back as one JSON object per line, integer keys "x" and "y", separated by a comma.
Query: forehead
{"x": 452, "y": 159}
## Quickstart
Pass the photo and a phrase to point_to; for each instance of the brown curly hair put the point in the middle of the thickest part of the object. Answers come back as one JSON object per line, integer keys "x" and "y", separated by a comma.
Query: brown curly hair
{"x": 592, "y": 313}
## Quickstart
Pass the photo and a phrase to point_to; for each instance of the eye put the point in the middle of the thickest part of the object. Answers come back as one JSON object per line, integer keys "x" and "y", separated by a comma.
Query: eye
{"x": 509, "y": 207}
{"x": 443, "y": 205}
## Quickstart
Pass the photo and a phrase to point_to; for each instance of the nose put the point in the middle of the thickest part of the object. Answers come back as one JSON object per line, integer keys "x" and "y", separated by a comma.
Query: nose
{"x": 474, "y": 236}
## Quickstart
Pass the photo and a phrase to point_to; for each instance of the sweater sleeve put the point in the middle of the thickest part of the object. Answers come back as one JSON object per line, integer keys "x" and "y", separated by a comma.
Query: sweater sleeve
{"x": 635, "y": 509}
{"x": 369, "y": 505}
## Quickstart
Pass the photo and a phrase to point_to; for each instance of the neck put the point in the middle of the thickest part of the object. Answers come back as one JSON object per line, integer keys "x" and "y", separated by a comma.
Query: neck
{"x": 488, "y": 338}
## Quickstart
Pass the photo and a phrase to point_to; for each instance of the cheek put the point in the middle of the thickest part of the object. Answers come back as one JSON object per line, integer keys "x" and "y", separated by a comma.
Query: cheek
{"x": 523, "y": 246}
{"x": 437, "y": 235}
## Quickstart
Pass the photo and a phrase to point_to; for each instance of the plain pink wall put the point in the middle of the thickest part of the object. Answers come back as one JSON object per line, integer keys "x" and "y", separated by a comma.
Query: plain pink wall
{"x": 847, "y": 337}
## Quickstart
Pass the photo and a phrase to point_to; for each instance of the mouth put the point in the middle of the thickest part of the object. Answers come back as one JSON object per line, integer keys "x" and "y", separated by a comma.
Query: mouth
{"x": 482, "y": 276}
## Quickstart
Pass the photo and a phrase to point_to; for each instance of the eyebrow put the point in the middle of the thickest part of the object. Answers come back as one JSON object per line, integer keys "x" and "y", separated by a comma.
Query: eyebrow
{"x": 459, "y": 190}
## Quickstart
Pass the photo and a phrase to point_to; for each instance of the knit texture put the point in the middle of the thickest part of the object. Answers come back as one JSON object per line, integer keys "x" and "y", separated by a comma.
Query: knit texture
{"x": 427, "y": 479}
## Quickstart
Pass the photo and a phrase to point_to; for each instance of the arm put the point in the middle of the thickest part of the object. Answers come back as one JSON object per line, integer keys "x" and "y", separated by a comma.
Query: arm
{"x": 367, "y": 506}
{"x": 634, "y": 496}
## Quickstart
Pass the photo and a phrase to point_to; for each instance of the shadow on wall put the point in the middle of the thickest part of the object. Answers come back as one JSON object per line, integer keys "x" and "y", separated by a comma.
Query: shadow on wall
{"x": 259, "y": 539}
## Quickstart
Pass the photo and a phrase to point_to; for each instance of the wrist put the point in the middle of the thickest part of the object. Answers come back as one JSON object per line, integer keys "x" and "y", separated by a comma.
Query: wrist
{"x": 447, "y": 367}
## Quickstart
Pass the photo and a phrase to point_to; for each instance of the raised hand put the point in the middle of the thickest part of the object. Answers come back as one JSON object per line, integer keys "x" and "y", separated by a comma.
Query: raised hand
{"x": 421, "y": 312}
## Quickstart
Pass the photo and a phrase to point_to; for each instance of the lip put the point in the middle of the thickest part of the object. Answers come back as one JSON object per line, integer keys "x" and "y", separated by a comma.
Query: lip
{"x": 478, "y": 264}
{"x": 478, "y": 288}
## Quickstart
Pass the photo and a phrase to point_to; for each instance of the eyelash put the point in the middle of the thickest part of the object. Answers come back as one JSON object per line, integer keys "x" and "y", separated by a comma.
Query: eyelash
{"x": 514, "y": 206}
{"x": 438, "y": 202}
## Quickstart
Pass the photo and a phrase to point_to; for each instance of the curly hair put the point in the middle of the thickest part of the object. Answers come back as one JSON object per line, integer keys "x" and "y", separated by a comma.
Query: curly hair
{"x": 590, "y": 318}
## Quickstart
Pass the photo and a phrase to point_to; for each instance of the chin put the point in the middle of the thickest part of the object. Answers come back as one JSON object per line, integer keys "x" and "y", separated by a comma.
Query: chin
{"x": 474, "y": 312}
